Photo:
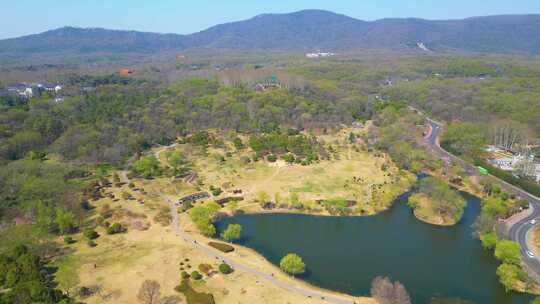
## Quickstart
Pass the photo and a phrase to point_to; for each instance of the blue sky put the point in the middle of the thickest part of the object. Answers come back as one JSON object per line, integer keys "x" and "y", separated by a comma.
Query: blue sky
{"x": 21, "y": 17}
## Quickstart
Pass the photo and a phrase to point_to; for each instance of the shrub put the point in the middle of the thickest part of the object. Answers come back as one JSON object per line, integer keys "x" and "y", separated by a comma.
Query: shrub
{"x": 86, "y": 206}
{"x": 221, "y": 247}
{"x": 225, "y": 268}
{"x": 238, "y": 144}
{"x": 68, "y": 240}
{"x": 292, "y": 264}
{"x": 192, "y": 296}
{"x": 216, "y": 191}
{"x": 85, "y": 292}
{"x": 509, "y": 252}
{"x": 195, "y": 275}
{"x": 489, "y": 240}
{"x": 91, "y": 243}
{"x": 272, "y": 158}
{"x": 90, "y": 234}
{"x": 289, "y": 158}
{"x": 184, "y": 275}
{"x": 186, "y": 206}
{"x": 115, "y": 228}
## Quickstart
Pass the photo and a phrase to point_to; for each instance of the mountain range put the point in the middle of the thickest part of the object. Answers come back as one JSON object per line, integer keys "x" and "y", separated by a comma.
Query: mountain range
{"x": 302, "y": 31}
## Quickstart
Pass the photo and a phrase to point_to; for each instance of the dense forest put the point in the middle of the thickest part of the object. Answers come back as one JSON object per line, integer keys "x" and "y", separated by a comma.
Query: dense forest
{"x": 52, "y": 153}
{"x": 49, "y": 151}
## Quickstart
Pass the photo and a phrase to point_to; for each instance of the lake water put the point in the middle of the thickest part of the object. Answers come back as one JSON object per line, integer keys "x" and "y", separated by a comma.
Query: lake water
{"x": 346, "y": 253}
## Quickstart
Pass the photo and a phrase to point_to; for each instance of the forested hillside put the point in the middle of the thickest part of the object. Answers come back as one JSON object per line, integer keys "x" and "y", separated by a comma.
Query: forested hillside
{"x": 303, "y": 31}
{"x": 52, "y": 153}
{"x": 49, "y": 151}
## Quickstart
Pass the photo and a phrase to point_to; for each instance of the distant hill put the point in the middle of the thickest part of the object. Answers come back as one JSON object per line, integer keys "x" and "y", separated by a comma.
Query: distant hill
{"x": 91, "y": 40}
{"x": 300, "y": 31}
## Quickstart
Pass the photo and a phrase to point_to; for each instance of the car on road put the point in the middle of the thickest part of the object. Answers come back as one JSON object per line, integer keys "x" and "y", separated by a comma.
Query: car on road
{"x": 530, "y": 254}
{"x": 533, "y": 221}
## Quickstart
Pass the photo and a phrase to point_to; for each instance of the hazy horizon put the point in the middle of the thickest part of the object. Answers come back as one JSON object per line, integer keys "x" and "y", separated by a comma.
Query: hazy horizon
{"x": 172, "y": 17}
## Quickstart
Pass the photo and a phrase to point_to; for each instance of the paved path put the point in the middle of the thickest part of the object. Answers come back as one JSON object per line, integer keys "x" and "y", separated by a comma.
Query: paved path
{"x": 519, "y": 230}
{"x": 308, "y": 293}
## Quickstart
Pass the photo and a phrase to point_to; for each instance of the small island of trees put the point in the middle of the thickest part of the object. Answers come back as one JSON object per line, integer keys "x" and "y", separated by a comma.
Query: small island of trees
{"x": 437, "y": 203}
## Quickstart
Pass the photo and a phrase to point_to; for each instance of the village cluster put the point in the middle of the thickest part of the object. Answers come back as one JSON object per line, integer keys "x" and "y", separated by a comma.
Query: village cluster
{"x": 29, "y": 90}
{"x": 520, "y": 164}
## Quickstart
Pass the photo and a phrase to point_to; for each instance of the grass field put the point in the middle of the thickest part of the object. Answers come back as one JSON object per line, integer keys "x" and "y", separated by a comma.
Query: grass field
{"x": 351, "y": 173}
{"x": 116, "y": 268}
{"x": 119, "y": 264}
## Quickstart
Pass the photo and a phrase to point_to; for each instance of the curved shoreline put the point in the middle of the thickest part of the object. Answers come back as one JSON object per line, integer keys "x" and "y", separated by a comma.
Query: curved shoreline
{"x": 254, "y": 263}
{"x": 428, "y": 221}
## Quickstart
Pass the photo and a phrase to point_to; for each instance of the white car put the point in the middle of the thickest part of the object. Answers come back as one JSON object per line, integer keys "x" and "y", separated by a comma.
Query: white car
{"x": 530, "y": 254}
{"x": 532, "y": 222}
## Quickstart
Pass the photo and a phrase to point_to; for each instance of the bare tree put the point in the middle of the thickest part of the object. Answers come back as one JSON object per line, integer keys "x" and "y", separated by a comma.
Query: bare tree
{"x": 509, "y": 134}
{"x": 386, "y": 292}
{"x": 170, "y": 300}
{"x": 149, "y": 292}
{"x": 526, "y": 168}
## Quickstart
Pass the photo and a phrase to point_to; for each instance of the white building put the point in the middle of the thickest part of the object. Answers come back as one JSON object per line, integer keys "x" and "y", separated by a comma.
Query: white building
{"x": 537, "y": 173}
{"x": 28, "y": 92}
{"x": 319, "y": 55}
{"x": 509, "y": 163}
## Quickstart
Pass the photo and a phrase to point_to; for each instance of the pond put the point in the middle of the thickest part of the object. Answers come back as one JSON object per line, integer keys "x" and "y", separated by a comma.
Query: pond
{"x": 346, "y": 253}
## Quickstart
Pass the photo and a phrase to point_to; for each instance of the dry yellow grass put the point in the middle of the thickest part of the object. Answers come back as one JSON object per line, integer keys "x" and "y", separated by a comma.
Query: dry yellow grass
{"x": 121, "y": 263}
{"x": 351, "y": 174}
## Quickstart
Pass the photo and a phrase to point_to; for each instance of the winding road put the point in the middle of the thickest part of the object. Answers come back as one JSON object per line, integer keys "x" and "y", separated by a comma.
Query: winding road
{"x": 520, "y": 229}
{"x": 517, "y": 232}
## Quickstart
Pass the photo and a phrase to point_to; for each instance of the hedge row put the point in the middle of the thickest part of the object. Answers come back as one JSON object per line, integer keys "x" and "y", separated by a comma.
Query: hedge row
{"x": 221, "y": 247}
{"x": 524, "y": 184}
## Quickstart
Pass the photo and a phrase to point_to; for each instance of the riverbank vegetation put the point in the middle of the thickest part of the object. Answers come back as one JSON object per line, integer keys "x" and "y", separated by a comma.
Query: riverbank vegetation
{"x": 436, "y": 203}
{"x": 232, "y": 233}
{"x": 499, "y": 205}
{"x": 385, "y": 291}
